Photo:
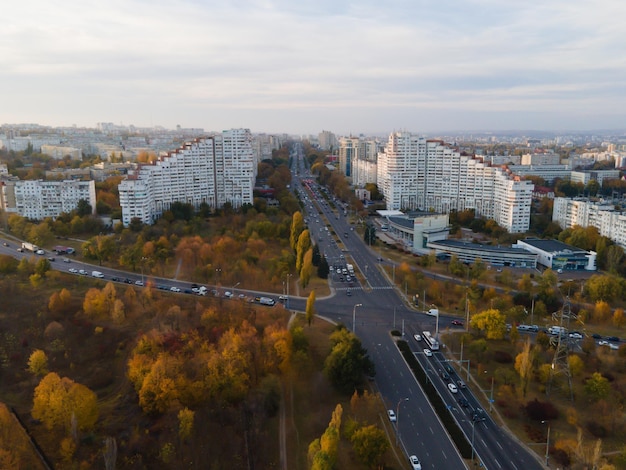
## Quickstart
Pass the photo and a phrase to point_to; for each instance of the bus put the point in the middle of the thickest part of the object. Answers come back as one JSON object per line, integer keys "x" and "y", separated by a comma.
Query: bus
{"x": 432, "y": 343}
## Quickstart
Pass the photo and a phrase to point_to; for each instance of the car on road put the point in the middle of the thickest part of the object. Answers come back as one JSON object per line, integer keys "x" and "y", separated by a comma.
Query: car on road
{"x": 82, "y": 272}
{"x": 613, "y": 346}
{"x": 115, "y": 279}
{"x": 348, "y": 293}
{"x": 452, "y": 388}
{"x": 282, "y": 298}
{"x": 175, "y": 289}
{"x": 428, "y": 352}
{"x": 461, "y": 384}
{"x": 228, "y": 294}
{"x": 603, "y": 343}
{"x": 128, "y": 281}
{"x": 596, "y": 336}
{"x": 392, "y": 416}
{"x": 73, "y": 270}
{"x": 417, "y": 337}
{"x": 52, "y": 259}
{"x": 443, "y": 375}
{"x": 139, "y": 283}
{"x": 457, "y": 322}
{"x": 415, "y": 463}
{"x": 65, "y": 260}
{"x": 613, "y": 338}
{"x": 463, "y": 402}
{"x": 5, "y": 244}
{"x": 479, "y": 415}
{"x": 575, "y": 335}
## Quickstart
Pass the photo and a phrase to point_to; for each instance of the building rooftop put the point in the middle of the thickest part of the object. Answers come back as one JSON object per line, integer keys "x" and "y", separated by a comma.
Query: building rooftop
{"x": 477, "y": 246}
{"x": 552, "y": 245}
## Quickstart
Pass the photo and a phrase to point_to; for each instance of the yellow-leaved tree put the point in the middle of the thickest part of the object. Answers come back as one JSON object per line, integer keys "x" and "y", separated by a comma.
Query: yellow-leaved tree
{"x": 492, "y": 322}
{"x": 57, "y": 399}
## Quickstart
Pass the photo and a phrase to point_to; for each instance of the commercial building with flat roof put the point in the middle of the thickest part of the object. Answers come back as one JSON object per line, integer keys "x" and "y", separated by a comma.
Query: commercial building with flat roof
{"x": 557, "y": 255}
{"x": 494, "y": 255}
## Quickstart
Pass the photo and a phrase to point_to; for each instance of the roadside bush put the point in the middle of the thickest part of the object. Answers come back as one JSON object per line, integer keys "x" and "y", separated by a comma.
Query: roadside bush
{"x": 561, "y": 456}
{"x": 596, "y": 429}
{"x": 534, "y": 433}
{"x": 541, "y": 411}
{"x": 502, "y": 357}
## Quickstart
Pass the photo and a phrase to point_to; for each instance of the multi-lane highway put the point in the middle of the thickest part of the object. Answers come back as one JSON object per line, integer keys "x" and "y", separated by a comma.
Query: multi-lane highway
{"x": 373, "y": 308}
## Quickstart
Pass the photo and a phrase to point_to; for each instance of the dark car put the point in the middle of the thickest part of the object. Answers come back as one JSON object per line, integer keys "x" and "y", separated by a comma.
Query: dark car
{"x": 463, "y": 402}
{"x": 596, "y": 336}
{"x": 128, "y": 281}
{"x": 613, "y": 338}
{"x": 449, "y": 369}
{"x": 194, "y": 286}
{"x": 115, "y": 279}
{"x": 443, "y": 375}
{"x": 479, "y": 415}
{"x": 457, "y": 322}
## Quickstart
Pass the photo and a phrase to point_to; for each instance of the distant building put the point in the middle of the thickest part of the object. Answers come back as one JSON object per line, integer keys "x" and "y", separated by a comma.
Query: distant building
{"x": 468, "y": 252}
{"x": 541, "y": 159}
{"x": 584, "y": 176}
{"x": 59, "y": 152}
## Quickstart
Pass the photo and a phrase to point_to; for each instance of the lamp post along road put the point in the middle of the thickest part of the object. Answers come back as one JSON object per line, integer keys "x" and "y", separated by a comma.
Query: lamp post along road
{"x": 354, "y": 317}
{"x": 398, "y": 419}
{"x": 547, "y": 444}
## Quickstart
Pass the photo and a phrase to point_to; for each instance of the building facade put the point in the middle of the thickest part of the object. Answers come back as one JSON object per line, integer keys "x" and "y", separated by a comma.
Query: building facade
{"x": 571, "y": 212}
{"x": 215, "y": 170}
{"x": 419, "y": 174}
{"x": 37, "y": 199}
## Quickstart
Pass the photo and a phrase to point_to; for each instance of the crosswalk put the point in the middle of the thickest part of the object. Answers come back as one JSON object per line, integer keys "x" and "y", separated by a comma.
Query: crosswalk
{"x": 361, "y": 288}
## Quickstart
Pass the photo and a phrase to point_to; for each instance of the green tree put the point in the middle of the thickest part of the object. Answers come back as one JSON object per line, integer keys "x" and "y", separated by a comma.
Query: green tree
{"x": 347, "y": 362}
{"x": 369, "y": 236}
{"x": 83, "y": 208}
{"x": 310, "y": 308}
{"x": 42, "y": 267}
{"x": 323, "y": 269}
{"x": 492, "y": 322}
{"x": 597, "y": 387}
{"x": 370, "y": 444}
{"x": 100, "y": 248}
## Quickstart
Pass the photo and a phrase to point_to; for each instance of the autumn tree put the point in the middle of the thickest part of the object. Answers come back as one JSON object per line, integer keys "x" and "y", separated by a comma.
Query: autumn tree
{"x": 56, "y": 399}
{"x": 100, "y": 248}
{"x": 307, "y": 268}
{"x": 492, "y": 322}
{"x": 185, "y": 423}
{"x": 618, "y": 318}
{"x": 524, "y": 365}
{"x": 601, "y": 311}
{"x": 310, "y": 308}
{"x": 323, "y": 451}
{"x": 38, "y": 363}
{"x": 60, "y": 302}
{"x": 303, "y": 245}
{"x": 297, "y": 227}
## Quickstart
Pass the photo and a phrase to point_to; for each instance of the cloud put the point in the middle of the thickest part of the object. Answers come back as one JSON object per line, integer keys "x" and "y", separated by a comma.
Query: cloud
{"x": 171, "y": 62}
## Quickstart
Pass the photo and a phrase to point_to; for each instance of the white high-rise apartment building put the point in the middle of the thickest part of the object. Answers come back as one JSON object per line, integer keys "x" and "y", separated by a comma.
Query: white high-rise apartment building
{"x": 568, "y": 212}
{"x": 416, "y": 173}
{"x": 213, "y": 170}
{"x": 38, "y": 199}
{"x": 357, "y": 159}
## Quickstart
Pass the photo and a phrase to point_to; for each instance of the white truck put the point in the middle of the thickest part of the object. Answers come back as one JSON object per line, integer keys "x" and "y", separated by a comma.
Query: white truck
{"x": 350, "y": 269}
{"x": 30, "y": 247}
{"x": 97, "y": 274}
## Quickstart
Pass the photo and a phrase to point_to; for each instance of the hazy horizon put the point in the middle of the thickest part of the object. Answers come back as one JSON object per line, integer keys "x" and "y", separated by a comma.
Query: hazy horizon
{"x": 277, "y": 66}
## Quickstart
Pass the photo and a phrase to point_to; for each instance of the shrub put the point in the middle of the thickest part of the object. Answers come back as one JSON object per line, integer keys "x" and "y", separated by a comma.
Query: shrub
{"x": 596, "y": 429}
{"x": 561, "y": 456}
{"x": 502, "y": 357}
{"x": 541, "y": 411}
{"x": 534, "y": 433}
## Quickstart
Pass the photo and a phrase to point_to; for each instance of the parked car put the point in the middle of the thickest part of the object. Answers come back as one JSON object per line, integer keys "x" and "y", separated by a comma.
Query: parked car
{"x": 392, "y": 416}
{"x": 428, "y": 352}
{"x": 452, "y": 388}
{"x": 415, "y": 463}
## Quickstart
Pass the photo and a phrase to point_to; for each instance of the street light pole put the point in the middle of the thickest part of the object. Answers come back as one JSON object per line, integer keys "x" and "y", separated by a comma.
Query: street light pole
{"x": 547, "y": 444}
{"x": 354, "y": 317}
{"x": 288, "y": 279}
{"x": 398, "y": 418}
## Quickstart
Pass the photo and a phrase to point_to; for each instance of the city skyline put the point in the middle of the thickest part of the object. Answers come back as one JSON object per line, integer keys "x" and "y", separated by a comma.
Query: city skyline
{"x": 276, "y": 66}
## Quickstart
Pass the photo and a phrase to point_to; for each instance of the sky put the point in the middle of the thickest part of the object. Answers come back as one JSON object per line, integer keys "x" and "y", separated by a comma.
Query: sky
{"x": 300, "y": 66}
